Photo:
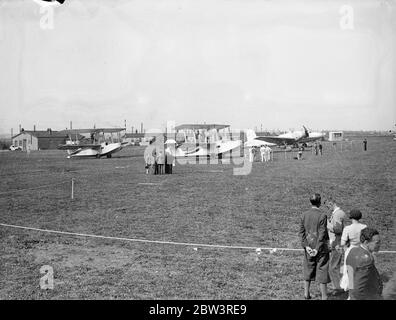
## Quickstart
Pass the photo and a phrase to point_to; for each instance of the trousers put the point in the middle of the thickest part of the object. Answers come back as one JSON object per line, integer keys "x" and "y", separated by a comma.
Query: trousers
{"x": 335, "y": 268}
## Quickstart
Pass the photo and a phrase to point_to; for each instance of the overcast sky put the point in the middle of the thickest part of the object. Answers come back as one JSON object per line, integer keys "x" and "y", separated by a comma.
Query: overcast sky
{"x": 247, "y": 63}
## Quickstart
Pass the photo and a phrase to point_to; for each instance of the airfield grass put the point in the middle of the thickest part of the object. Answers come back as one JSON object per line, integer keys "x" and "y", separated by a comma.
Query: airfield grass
{"x": 199, "y": 203}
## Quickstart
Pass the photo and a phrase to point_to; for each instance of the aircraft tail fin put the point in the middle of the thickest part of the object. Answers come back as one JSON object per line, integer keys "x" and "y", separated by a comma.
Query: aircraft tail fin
{"x": 306, "y": 132}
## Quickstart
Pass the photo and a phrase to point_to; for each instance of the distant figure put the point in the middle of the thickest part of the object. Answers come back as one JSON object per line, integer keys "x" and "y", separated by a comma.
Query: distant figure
{"x": 267, "y": 155}
{"x": 168, "y": 161}
{"x": 316, "y": 148}
{"x": 365, "y": 144}
{"x": 335, "y": 226}
{"x": 160, "y": 162}
{"x": 350, "y": 238}
{"x": 262, "y": 152}
{"x": 320, "y": 149}
{"x": 149, "y": 162}
{"x": 300, "y": 153}
{"x": 314, "y": 240}
{"x": 364, "y": 280}
{"x": 155, "y": 157}
{"x": 251, "y": 154}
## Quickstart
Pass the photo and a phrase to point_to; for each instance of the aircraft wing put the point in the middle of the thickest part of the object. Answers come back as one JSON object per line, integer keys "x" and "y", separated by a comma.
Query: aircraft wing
{"x": 201, "y": 126}
{"x": 276, "y": 140}
{"x": 78, "y": 146}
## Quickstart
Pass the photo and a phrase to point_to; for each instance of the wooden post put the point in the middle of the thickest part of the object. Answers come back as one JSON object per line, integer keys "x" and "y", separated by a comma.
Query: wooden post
{"x": 72, "y": 189}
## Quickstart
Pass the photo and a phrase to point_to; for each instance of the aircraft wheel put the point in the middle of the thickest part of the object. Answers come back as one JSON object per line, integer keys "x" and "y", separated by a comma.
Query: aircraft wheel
{"x": 98, "y": 156}
{"x": 108, "y": 156}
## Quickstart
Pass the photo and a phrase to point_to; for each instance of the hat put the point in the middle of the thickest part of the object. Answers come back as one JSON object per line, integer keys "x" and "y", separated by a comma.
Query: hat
{"x": 355, "y": 214}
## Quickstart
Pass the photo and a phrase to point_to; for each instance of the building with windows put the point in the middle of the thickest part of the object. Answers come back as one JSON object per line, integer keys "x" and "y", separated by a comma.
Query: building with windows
{"x": 336, "y": 136}
{"x": 39, "y": 140}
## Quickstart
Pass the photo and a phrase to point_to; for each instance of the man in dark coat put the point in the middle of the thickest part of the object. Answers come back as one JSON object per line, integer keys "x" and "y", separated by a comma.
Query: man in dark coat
{"x": 315, "y": 241}
{"x": 364, "y": 280}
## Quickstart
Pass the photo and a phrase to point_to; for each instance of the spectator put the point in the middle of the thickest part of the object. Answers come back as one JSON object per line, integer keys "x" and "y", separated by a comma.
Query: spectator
{"x": 251, "y": 154}
{"x": 268, "y": 151}
{"x": 149, "y": 162}
{"x": 316, "y": 148}
{"x": 300, "y": 152}
{"x": 364, "y": 280}
{"x": 160, "y": 162}
{"x": 335, "y": 226}
{"x": 155, "y": 157}
{"x": 365, "y": 144}
{"x": 263, "y": 152}
{"x": 320, "y": 149}
{"x": 168, "y": 160}
{"x": 350, "y": 238}
{"x": 314, "y": 239}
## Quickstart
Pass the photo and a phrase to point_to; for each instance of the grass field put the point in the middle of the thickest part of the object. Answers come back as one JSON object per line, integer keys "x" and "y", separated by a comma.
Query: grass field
{"x": 202, "y": 203}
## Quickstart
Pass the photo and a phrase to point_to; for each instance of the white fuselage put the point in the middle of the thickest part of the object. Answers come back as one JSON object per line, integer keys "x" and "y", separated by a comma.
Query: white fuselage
{"x": 104, "y": 150}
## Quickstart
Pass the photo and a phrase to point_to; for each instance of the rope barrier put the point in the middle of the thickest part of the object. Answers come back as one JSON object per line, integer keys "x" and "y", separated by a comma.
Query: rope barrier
{"x": 195, "y": 245}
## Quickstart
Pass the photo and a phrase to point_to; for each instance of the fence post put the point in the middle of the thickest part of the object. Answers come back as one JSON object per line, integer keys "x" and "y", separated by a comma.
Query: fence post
{"x": 72, "y": 189}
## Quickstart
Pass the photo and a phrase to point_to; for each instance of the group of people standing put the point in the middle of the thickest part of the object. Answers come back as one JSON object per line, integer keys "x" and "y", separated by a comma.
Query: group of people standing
{"x": 265, "y": 153}
{"x": 340, "y": 254}
{"x": 318, "y": 148}
{"x": 159, "y": 162}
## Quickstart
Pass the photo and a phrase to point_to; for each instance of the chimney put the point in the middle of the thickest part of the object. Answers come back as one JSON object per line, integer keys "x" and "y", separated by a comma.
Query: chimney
{"x": 34, "y": 128}
{"x": 141, "y": 127}
{"x": 71, "y": 125}
{"x": 12, "y": 132}
{"x": 49, "y": 130}
{"x": 20, "y": 129}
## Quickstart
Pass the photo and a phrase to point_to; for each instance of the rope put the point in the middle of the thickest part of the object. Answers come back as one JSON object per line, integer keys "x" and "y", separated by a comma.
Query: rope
{"x": 160, "y": 242}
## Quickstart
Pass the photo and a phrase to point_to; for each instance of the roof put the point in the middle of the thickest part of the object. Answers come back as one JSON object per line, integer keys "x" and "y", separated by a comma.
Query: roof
{"x": 201, "y": 126}
{"x": 43, "y": 134}
{"x": 96, "y": 130}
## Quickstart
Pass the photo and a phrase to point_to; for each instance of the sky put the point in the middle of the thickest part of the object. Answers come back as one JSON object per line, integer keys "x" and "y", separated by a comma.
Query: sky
{"x": 248, "y": 63}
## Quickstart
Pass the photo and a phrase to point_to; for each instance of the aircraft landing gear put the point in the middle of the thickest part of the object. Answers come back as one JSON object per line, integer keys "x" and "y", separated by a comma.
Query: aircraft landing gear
{"x": 109, "y": 155}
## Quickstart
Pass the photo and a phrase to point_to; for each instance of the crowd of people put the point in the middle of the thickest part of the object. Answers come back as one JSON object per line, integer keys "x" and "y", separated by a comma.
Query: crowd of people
{"x": 265, "y": 153}
{"x": 339, "y": 254}
{"x": 159, "y": 162}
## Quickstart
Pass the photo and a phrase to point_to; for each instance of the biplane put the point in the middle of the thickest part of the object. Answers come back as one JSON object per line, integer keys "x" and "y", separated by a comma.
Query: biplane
{"x": 202, "y": 140}
{"x": 97, "y": 145}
